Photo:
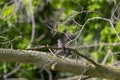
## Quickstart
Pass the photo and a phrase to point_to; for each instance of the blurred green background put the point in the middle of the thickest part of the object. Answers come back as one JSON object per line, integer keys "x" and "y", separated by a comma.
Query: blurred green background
{"x": 51, "y": 18}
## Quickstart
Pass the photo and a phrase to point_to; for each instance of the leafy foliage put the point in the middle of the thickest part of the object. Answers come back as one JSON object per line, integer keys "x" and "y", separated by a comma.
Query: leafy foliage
{"x": 53, "y": 17}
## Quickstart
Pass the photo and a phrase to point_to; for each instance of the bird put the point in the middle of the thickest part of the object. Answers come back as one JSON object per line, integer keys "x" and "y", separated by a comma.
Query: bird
{"x": 61, "y": 45}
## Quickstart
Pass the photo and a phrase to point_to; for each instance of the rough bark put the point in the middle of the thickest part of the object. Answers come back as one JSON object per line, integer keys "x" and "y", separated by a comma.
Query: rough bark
{"x": 46, "y": 60}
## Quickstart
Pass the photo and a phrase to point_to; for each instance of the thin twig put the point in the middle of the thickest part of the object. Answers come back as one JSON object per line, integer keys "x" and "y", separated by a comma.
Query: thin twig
{"x": 96, "y": 45}
{"x": 106, "y": 57}
{"x": 9, "y": 41}
{"x": 4, "y": 37}
{"x": 33, "y": 23}
{"x": 49, "y": 73}
{"x": 12, "y": 72}
{"x": 94, "y": 18}
{"x": 112, "y": 15}
{"x": 42, "y": 76}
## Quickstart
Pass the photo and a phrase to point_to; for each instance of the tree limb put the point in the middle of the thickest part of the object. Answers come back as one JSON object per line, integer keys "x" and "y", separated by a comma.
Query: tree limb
{"x": 47, "y": 61}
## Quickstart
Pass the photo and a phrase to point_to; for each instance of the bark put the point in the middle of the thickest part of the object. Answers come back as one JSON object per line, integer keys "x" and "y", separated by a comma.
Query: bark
{"x": 47, "y": 61}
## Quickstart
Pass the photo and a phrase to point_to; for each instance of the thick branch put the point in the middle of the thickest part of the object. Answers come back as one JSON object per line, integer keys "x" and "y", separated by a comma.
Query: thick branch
{"x": 48, "y": 61}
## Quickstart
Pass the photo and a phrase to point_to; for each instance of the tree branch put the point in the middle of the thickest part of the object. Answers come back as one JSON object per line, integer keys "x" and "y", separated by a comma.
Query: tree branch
{"x": 47, "y": 61}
